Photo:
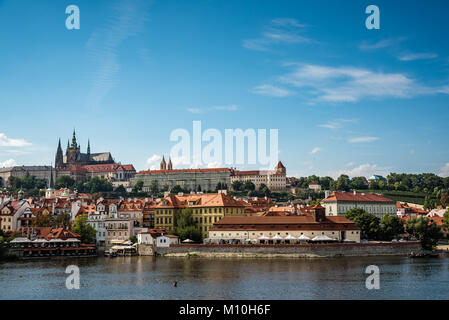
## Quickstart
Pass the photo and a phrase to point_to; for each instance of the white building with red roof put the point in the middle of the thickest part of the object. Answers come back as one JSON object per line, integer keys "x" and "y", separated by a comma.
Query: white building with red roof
{"x": 274, "y": 179}
{"x": 340, "y": 202}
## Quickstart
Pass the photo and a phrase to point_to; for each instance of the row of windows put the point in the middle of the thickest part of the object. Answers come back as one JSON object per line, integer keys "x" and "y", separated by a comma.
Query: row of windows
{"x": 352, "y": 232}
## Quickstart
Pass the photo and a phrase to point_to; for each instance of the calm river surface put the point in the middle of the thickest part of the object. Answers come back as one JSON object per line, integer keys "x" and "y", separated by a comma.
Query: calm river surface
{"x": 199, "y": 278}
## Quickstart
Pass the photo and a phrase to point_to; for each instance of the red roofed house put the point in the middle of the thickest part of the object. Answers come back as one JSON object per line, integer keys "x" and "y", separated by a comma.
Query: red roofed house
{"x": 285, "y": 227}
{"x": 274, "y": 179}
{"x": 340, "y": 202}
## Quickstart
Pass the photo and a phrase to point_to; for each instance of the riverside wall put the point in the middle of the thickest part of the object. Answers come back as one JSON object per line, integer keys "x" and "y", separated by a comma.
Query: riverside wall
{"x": 293, "y": 251}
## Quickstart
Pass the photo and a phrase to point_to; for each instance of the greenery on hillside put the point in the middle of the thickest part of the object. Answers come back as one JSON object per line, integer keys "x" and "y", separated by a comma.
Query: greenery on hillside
{"x": 185, "y": 226}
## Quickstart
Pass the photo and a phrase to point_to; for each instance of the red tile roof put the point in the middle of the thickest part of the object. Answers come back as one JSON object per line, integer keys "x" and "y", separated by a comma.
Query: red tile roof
{"x": 358, "y": 197}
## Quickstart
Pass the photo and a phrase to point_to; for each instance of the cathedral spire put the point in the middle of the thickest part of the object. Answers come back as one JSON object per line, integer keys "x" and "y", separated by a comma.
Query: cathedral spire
{"x": 88, "y": 146}
{"x": 74, "y": 144}
{"x": 163, "y": 164}
{"x": 59, "y": 156}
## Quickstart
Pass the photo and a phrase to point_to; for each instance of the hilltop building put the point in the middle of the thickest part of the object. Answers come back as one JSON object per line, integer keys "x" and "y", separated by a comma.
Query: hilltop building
{"x": 275, "y": 180}
{"x": 83, "y": 166}
{"x": 340, "y": 202}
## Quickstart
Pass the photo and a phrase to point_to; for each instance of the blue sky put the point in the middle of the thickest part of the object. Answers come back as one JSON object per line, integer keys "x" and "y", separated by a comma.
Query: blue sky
{"x": 344, "y": 99}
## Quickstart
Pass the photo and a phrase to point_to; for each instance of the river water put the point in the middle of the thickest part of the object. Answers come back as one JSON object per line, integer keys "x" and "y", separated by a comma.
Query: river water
{"x": 199, "y": 278}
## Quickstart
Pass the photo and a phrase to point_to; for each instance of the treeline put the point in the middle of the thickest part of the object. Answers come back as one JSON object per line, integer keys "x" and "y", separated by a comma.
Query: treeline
{"x": 31, "y": 185}
{"x": 432, "y": 189}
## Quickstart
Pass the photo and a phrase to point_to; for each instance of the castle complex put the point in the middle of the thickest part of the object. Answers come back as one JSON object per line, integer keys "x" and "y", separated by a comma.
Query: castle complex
{"x": 74, "y": 158}
{"x": 82, "y": 166}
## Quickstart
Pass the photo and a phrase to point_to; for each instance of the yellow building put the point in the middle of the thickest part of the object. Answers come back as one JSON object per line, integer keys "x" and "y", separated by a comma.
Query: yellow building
{"x": 207, "y": 209}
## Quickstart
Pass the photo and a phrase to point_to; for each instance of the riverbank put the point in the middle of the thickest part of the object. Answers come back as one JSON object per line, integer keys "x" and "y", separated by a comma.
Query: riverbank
{"x": 291, "y": 251}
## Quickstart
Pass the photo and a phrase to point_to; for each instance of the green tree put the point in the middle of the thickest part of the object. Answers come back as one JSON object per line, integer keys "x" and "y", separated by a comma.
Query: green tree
{"x": 444, "y": 199}
{"x": 121, "y": 190}
{"x": 176, "y": 189}
{"x": 86, "y": 231}
{"x": 42, "y": 220}
{"x": 64, "y": 182}
{"x": 62, "y": 221}
{"x": 446, "y": 221}
{"x": 133, "y": 239}
{"x": 185, "y": 225}
{"x": 359, "y": 183}
{"x": 249, "y": 186}
{"x": 237, "y": 186}
{"x": 97, "y": 184}
{"x": 138, "y": 186}
{"x": 154, "y": 187}
{"x": 342, "y": 183}
{"x": 427, "y": 232}
{"x": 390, "y": 227}
{"x": 367, "y": 222}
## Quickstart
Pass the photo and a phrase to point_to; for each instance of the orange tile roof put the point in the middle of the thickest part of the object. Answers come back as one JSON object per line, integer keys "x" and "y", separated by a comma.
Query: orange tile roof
{"x": 358, "y": 197}
{"x": 185, "y": 170}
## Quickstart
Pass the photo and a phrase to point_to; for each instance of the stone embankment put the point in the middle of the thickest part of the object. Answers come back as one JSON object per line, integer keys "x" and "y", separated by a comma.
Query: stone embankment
{"x": 291, "y": 251}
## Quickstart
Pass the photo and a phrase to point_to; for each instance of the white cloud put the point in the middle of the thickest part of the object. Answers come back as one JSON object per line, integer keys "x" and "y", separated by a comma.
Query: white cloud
{"x": 315, "y": 150}
{"x": 230, "y": 107}
{"x": 444, "y": 171}
{"x": 127, "y": 19}
{"x": 215, "y": 164}
{"x": 8, "y": 163}
{"x": 362, "y": 139}
{"x": 417, "y": 56}
{"x": 9, "y": 142}
{"x": 279, "y": 31}
{"x": 194, "y": 110}
{"x": 364, "y": 170}
{"x": 337, "y": 123}
{"x": 153, "y": 162}
{"x": 351, "y": 84}
{"x": 269, "y": 90}
{"x": 380, "y": 44}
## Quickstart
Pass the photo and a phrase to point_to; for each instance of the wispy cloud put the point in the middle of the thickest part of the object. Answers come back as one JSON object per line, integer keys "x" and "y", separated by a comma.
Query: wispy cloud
{"x": 417, "y": 56}
{"x": 9, "y": 142}
{"x": 337, "y": 123}
{"x": 381, "y": 44}
{"x": 444, "y": 171}
{"x": 364, "y": 170}
{"x": 127, "y": 18}
{"x": 352, "y": 84}
{"x": 8, "y": 163}
{"x": 270, "y": 90}
{"x": 194, "y": 110}
{"x": 279, "y": 31}
{"x": 315, "y": 150}
{"x": 362, "y": 139}
{"x": 230, "y": 108}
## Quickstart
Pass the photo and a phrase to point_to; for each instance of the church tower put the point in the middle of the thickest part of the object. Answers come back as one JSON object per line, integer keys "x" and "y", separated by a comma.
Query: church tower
{"x": 163, "y": 164}
{"x": 88, "y": 149}
{"x": 170, "y": 164}
{"x": 73, "y": 151}
{"x": 59, "y": 160}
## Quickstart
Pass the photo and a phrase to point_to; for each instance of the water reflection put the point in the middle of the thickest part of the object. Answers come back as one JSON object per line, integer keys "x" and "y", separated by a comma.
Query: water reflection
{"x": 152, "y": 278}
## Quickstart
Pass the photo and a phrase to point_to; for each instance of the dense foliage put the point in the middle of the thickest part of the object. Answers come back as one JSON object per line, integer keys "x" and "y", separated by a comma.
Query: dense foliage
{"x": 185, "y": 226}
{"x": 373, "y": 228}
{"x": 86, "y": 231}
{"x": 422, "y": 229}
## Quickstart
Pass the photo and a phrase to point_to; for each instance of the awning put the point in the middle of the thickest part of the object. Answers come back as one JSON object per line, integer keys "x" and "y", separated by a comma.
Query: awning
{"x": 21, "y": 240}
{"x": 290, "y": 237}
{"x": 187, "y": 241}
{"x": 323, "y": 237}
{"x": 277, "y": 237}
{"x": 303, "y": 237}
{"x": 264, "y": 237}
